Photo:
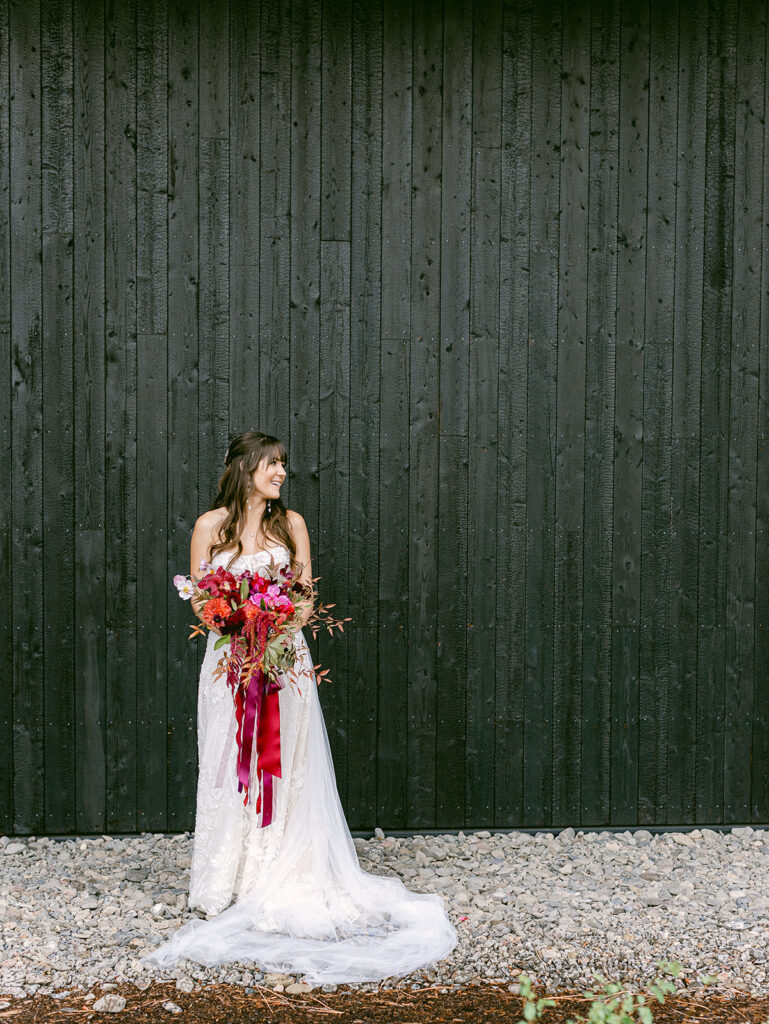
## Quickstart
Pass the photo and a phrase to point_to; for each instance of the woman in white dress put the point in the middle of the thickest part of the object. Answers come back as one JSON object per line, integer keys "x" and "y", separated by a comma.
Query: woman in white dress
{"x": 302, "y": 903}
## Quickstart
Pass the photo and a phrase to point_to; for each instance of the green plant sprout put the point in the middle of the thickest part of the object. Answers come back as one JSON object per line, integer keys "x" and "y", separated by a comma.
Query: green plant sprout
{"x": 614, "y": 1003}
{"x": 534, "y": 1007}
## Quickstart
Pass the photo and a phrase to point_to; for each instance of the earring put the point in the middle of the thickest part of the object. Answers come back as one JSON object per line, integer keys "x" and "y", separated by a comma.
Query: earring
{"x": 269, "y": 506}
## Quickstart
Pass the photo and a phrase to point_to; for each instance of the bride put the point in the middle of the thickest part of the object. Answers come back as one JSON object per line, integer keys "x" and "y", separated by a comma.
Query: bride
{"x": 302, "y": 903}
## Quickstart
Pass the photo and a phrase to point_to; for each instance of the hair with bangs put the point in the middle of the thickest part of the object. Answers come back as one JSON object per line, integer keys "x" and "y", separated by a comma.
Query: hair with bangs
{"x": 244, "y": 454}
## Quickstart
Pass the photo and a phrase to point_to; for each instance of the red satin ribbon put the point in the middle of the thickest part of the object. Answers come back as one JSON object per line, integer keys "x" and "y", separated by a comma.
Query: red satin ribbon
{"x": 258, "y": 714}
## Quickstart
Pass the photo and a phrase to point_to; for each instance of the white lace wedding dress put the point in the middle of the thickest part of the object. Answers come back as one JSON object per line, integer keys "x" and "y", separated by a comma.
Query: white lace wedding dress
{"x": 302, "y": 902}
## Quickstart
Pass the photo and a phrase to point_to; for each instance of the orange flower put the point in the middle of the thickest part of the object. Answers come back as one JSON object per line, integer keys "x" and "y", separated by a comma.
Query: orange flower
{"x": 249, "y": 610}
{"x": 216, "y": 612}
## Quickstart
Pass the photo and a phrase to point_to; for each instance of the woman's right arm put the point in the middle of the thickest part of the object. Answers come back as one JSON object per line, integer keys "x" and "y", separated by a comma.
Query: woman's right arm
{"x": 200, "y": 544}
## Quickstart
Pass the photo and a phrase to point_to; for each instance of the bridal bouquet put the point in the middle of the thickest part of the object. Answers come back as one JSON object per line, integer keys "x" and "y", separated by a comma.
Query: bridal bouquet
{"x": 257, "y": 615}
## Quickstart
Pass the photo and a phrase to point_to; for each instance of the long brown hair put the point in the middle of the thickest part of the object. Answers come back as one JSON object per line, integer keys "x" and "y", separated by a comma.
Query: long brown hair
{"x": 244, "y": 454}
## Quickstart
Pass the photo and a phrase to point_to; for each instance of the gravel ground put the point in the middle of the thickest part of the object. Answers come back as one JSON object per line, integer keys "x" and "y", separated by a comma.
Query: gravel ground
{"x": 79, "y": 913}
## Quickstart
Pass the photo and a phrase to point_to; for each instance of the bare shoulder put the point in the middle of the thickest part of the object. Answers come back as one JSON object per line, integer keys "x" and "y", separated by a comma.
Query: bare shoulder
{"x": 211, "y": 520}
{"x": 207, "y": 525}
{"x": 297, "y": 523}
{"x": 299, "y": 532}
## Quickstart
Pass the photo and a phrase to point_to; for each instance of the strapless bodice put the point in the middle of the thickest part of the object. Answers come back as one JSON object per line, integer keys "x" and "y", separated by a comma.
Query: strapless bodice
{"x": 256, "y": 558}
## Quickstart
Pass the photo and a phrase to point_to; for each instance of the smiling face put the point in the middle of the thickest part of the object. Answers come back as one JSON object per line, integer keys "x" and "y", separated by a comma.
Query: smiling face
{"x": 267, "y": 478}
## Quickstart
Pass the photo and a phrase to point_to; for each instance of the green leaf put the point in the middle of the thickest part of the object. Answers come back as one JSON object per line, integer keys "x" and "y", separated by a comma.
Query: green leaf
{"x": 530, "y": 1011}
{"x": 244, "y": 588}
{"x": 657, "y": 992}
{"x": 645, "y": 1015}
{"x": 221, "y": 642}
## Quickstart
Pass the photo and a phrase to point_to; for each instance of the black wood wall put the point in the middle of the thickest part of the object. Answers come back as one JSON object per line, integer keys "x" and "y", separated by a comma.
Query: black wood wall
{"x": 498, "y": 273}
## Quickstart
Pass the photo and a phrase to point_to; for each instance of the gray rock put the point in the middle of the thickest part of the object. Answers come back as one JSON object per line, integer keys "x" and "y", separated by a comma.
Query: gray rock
{"x": 683, "y": 839}
{"x": 277, "y": 979}
{"x": 110, "y": 1003}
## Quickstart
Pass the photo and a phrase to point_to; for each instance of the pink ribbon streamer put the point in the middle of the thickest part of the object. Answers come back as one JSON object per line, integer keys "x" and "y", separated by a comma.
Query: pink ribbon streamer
{"x": 258, "y": 718}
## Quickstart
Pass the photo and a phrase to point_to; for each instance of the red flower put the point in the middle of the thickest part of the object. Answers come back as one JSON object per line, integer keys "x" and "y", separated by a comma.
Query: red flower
{"x": 220, "y": 583}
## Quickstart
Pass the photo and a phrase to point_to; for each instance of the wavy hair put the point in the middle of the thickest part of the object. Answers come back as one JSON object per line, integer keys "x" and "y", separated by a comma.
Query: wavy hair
{"x": 244, "y": 453}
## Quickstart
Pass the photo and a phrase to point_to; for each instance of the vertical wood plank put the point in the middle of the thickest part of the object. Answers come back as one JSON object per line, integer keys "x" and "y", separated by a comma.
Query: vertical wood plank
{"x": 274, "y": 227}
{"x": 482, "y": 411}
{"x": 304, "y": 283}
{"x": 743, "y": 412}
{"x": 541, "y": 415}
{"x": 26, "y": 417}
{"x": 58, "y": 386}
{"x": 515, "y": 195}
{"x": 89, "y": 419}
{"x": 184, "y": 498}
{"x": 570, "y": 413}
{"x": 628, "y": 416}
{"x": 397, "y": 85}
{"x": 685, "y": 426}
{"x": 654, "y": 703}
{"x": 423, "y": 359}
{"x": 714, "y": 434}
{"x": 456, "y": 149}
{"x": 330, "y": 562}
{"x": 120, "y": 407}
{"x": 6, "y": 438}
{"x": 334, "y": 380}
{"x": 214, "y": 255}
{"x": 601, "y": 273}
{"x": 336, "y": 102}
{"x": 365, "y": 308}
{"x": 760, "y": 738}
{"x": 152, "y": 411}
{"x": 244, "y": 192}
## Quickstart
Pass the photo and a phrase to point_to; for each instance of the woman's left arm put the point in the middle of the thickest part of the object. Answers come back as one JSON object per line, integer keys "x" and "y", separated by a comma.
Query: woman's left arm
{"x": 302, "y": 541}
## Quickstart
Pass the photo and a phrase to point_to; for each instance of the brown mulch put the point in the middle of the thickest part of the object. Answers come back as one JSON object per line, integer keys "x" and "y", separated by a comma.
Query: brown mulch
{"x": 484, "y": 1004}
